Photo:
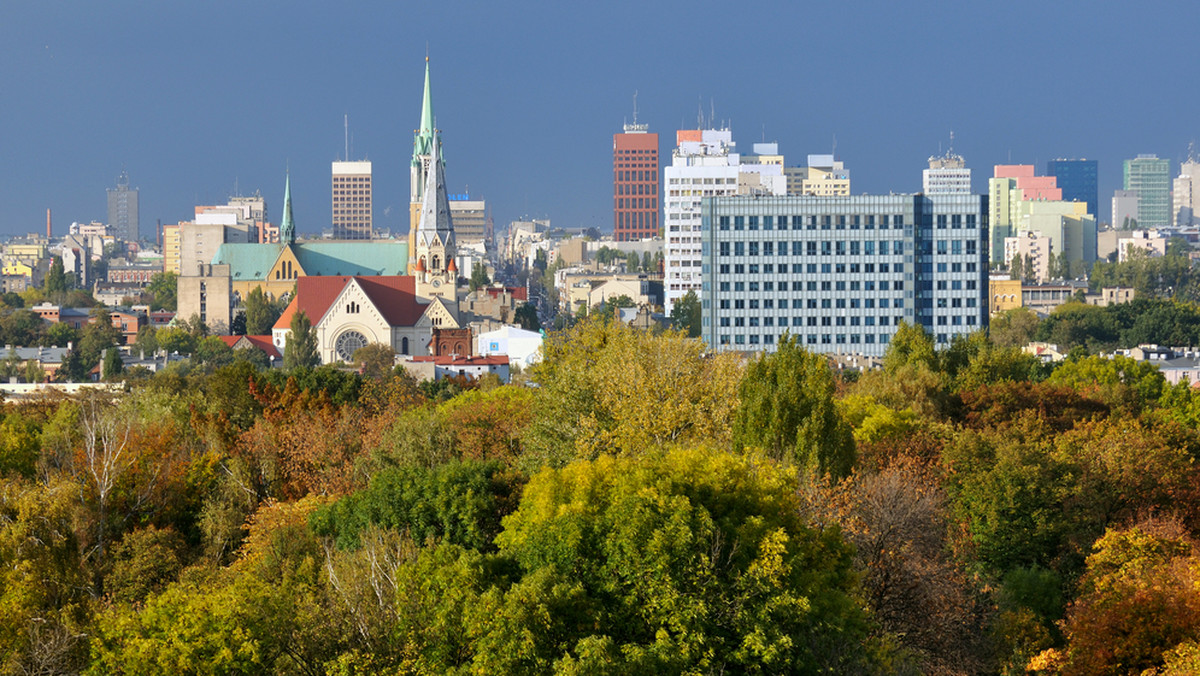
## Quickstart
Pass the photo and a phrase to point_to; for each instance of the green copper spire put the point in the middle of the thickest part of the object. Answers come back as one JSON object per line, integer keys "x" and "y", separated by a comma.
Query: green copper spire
{"x": 287, "y": 229}
{"x": 423, "y": 139}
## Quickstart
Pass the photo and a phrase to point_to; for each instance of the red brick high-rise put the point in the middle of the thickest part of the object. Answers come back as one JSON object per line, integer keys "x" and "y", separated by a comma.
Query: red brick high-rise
{"x": 635, "y": 183}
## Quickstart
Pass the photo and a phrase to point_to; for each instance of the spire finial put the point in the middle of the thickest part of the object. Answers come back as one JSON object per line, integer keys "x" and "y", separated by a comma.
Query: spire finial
{"x": 287, "y": 228}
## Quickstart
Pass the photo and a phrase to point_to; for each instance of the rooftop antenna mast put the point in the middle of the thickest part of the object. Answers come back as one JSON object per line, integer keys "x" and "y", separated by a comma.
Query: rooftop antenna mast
{"x": 950, "y": 151}
{"x": 699, "y": 112}
{"x": 346, "y": 124}
{"x": 834, "y": 150}
{"x": 635, "y": 107}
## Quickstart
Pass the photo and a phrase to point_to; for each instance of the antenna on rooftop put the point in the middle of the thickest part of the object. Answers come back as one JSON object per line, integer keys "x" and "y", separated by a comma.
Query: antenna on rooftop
{"x": 950, "y": 151}
{"x": 346, "y": 123}
{"x": 834, "y": 151}
{"x": 699, "y": 112}
{"x": 712, "y": 111}
{"x": 635, "y": 107}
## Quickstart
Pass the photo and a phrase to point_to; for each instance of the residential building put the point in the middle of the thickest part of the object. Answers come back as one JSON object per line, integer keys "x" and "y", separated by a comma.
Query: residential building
{"x": 635, "y": 183}
{"x": 704, "y": 163}
{"x": 1151, "y": 178}
{"x": 172, "y": 243}
{"x": 1034, "y": 252}
{"x": 523, "y": 348}
{"x": 1071, "y": 231}
{"x": 1078, "y": 180}
{"x": 123, "y": 210}
{"x": 1152, "y": 242}
{"x": 351, "y": 200}
{"x": 823, "y": 176}
{"x": 1009, "y": 187}
{"x": 841, "y": 273}
{"x": 431, "y": 367}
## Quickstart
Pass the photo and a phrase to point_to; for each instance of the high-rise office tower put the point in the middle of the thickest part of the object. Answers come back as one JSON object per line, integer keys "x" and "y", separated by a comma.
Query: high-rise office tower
{"x": 635, "y": 183}
{"x": 351, "y": 200}
{"x": 841, "y": 273}
{"x": 1151, "y": 178}
{"x": 123, "y": 209}
{"x": 705, "y": 163}
{"x": 1078, "y": 180}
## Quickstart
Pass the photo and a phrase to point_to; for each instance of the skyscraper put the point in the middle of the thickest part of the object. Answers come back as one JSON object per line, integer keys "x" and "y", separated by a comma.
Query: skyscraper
{"x": 1151, "y": 178}
{"x": 635, "y": 183}
{"x": 123, "y": 209}
{"x": 351, "y": 200}
{"x": 1186, "y": 194}
{"x": 946, "y": 175}
{"x": 1078, "y": 180}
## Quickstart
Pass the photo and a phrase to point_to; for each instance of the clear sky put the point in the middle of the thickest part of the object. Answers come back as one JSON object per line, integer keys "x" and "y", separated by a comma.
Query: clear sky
{"x": 195, "y": 98}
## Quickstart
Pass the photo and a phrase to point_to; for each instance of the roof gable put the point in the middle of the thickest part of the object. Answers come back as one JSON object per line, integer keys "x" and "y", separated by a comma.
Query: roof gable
{"x": 392, "y": 295}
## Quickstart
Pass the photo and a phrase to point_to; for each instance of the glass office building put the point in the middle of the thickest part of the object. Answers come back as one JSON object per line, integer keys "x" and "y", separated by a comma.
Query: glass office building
{"x": 841, "y": 273}
{"x": 1078, "y": 180}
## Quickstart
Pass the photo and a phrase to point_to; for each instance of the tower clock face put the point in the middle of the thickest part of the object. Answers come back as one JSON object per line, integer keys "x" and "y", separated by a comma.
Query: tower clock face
{"x": 437, "y": 283}
{"x": 347, "y": 344}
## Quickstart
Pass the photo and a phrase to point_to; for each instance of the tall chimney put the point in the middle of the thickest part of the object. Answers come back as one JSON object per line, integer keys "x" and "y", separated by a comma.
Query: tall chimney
{"x": 48, "y": 223}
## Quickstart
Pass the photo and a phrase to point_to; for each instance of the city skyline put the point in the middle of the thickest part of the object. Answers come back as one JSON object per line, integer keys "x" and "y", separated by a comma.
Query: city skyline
{"x": 193, "y": 101}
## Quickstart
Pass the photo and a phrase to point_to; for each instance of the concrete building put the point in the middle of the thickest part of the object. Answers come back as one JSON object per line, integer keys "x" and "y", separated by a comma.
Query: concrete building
{"x": 123, "y": 210}
{"x": 1078, "y": 180}
{"x": 1034, "y": 252}
{"x": 1151, "y": 178}
{"x": 470, "y": 218}
{"x": 1152, "y": 242}
{"x": 823, "y": 176}
{"x": 206, "y": 291}
{"x": 1124, "y": 209}
{"x": 704, "y": 163}
{"x": 1070, "y": 229}
{"x": 946, "y": 175}
{"x": 1186, "y": 195}
{"x": 523, "y": 348}
{"x": 841, "y": 273}
{"x": 172, "y": 243}
{"x": 351, "y": 200}
{"x": 635, "y": 183}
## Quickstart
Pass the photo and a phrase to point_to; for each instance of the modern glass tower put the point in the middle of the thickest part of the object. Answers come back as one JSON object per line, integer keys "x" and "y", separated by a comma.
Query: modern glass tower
{"x": 123, "y": 210}
{"x": 1151, "y": 178}
{"x": 1078, "y": 181}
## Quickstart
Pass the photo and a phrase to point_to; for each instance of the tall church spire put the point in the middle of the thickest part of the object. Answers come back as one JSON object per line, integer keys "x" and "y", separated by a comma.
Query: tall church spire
{"x": 423, "y": 138}
{"x": 287, "y": 228}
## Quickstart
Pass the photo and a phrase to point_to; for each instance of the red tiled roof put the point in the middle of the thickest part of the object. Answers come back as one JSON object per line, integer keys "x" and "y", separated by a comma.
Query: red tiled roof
{"x": 263, "y": 343}
{"x": 393, "y": 295}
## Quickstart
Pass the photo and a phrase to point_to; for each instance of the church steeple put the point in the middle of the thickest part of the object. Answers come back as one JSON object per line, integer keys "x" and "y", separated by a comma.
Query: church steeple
{"x": 287, "y": 228}
{"x": 423, "y": 137}
{"x": 435, "y": 225}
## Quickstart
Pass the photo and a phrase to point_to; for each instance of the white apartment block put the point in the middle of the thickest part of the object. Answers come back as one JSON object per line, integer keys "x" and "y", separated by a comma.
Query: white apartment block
{"x": 705, "y": 163}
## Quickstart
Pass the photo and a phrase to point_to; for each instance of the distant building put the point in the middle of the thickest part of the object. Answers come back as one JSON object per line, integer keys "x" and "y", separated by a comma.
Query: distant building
{"x": 470, "y": 222}
{"x": 123, "y": 210}
{"x": 351, "y": 200}
{"x": 1034, "y": 251}
{"x": 635, "y": 183}
{"x": 823, "y": 176}
{"x": 1078, "y": 180}
{"x": 704, "y": 163}
{"x": 840, "y": 273}
{"x": 1124, "y": 209}
{"x": 1186, "y": 194}
{"x": 946, "y": 175}
{"x": 1152, "y": 242}
{"x": 1151, "y": 178}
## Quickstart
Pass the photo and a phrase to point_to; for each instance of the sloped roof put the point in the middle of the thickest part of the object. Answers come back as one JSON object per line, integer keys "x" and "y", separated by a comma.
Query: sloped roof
{"x": 367, "y": 257}
{"x": 263, "y": 343}
{"x": 393, "y": 295}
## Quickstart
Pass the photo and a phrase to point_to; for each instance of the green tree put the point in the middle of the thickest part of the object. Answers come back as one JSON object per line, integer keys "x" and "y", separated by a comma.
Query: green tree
{"x": 685, "y": 314}
{"x": 479, "y": 277}
{"x": 175, "y": 339}
{"x": 527, "y": 318}
{"x": 787, "y": 409}
{"x": 648, "y": 263}
{"x": 301, "y": 348}
{"x": 1013, "y": 328}
{"x": 375, "y": 360}
{"x": 606, "y": 311}
{"x": 113, "y": 366}
{"x": 56, "y": 279}
{"x": 632, "y": 261}
{"x": 237, "y": 327}
{"x": 261, "y": 313}
{"x": 163, "y": 290}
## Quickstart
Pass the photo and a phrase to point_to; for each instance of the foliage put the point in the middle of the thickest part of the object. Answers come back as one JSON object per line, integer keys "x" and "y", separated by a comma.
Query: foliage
{"x": 460, "y": 503}
{"x": 1118, "y": 381}
{"x": 163, "y": 291}
{"x": 786, "y": 408}
{"x": 685, "y": 314}
{"x": 527, "y": 318}
{"x": 300, "y": 351}
{"x": 608, "y": 388}
{"x": 1013, "y": 328}
{"x": 261, "y": 312}
{"x": 56, "y": 281}
{"x": 479, "y": 277}
{"x": 376, "y": 360}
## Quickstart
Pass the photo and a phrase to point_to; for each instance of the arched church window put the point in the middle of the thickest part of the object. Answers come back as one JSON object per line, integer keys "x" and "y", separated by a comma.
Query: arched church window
{"x": 404, "y": 345}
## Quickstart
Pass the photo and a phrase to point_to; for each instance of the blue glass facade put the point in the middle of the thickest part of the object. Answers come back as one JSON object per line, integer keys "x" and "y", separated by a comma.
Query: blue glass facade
{"x": 1078, "y": 180}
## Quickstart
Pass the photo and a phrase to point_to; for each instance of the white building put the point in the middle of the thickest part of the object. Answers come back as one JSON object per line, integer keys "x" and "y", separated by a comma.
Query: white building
{"x": 946, "y": 175}
{"x": 1186, "y": 194}
{"x": 351, "y": 199}
{"x": 522, "y": 347}
{"x": 705, "y": 163}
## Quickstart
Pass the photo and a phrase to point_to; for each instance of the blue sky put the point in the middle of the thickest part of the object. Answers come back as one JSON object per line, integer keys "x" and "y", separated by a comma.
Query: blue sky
{"x": 193, "y": 98}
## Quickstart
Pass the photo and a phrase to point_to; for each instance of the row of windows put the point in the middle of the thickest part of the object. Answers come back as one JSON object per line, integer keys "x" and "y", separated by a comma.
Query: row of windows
{"x": 839, "y": 285}
{"x": 834, "y": 303}
{"x": 810, "y": 339}
{"x": 636, "y": 203}
{"x": 835, "y": 268}
{"x": 843, "y": 247}
{"x": 826, "y": 222}
{"x": 650, "y": 176}
{"x": 755, "y": 322}
{"x": 635, "y": 189}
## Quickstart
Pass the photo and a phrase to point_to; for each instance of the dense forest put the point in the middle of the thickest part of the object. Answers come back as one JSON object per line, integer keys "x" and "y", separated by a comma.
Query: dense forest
{"x": 633, "y": 506}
